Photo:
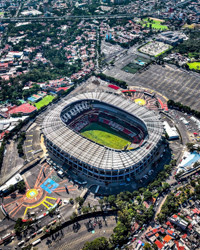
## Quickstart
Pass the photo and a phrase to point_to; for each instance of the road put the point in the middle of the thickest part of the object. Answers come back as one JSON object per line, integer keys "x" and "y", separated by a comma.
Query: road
{"x": 66, "y": 17}
{"x": 73, "y": 238}
{"x": 86, "y": 17}
{"x": 17, "y": 12}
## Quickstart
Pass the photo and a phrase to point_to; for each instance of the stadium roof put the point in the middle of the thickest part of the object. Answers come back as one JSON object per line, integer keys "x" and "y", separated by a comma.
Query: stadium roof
{"x": 91, "y": 153}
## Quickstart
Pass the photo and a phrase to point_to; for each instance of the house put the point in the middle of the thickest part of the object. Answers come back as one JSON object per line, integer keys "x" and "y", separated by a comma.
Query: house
{"x": 175, "y": 219}
{"x": 159, "y": 244}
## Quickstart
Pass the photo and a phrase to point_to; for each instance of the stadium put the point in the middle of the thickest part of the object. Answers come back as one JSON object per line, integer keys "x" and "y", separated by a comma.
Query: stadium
{"x": 103, "y": 136}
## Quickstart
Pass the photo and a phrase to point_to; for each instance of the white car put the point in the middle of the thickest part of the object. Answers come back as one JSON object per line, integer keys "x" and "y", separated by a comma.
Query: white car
{"x": 60, "y": 173}
{"x": 65, "y": 202}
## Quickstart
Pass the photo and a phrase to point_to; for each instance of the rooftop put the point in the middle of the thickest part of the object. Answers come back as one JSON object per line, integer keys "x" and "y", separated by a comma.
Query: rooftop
{"x": 81, "y": 148}
{"x": 25, "y": 108}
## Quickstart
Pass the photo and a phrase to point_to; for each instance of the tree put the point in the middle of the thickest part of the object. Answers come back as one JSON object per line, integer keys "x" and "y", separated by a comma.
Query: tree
{"x": 197, "y": 191}
{"x": 73, "y": 216}
{"x": 124, "y": 217}
{"x": 166, "y": 185}
{"x": 135, "y": 193}
{"x": 100, "y": 202}
{"x": 154, "y": 184}
{"x": 193, "y": 183}
{"x": 105, "y": 199}
{"x": 147, "y": 195}
{"x": 190, "y": 146}
{"x": 139, "y": 199}
{"x": 162, "y": 217}
{"x": 11, "y": 188}
{"x": 111, "y": 200}
{"x": 155, "y": 246}
{"x": 95, "y": 208}
{"x": 79, "y": 200}
{"x": 21, "y": 186}
{"x": 142, "y": 190}
{"x": 85, "y": 210}
{"x": 147, "y": 246}
{"x": 71, "y": 201}
{"x": 121, "y": 234}
{"x": 173, "y": 162}
{"x": 100, "y": 243}
{"x": 18, "y": 226}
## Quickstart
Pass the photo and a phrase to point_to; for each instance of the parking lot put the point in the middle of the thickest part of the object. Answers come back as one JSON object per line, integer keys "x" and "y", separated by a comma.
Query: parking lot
{"x": 12, "y": 162}
{"x": 32, "y": 147}
{"x": 174, "y": 83}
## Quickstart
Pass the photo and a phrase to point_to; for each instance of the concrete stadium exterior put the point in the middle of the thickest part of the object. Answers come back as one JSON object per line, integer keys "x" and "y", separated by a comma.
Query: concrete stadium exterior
{"x": 94, "y": 161}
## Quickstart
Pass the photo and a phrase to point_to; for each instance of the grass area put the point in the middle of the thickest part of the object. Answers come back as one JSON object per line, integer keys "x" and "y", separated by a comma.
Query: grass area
{"x": 191, "y": 26}
{"x": 45, "y": 101}
{"x": 194, "y": 65}
{"x": 154, "y": 23}
{"x": 104, "y": 136}
{"x": 193, "y": 55}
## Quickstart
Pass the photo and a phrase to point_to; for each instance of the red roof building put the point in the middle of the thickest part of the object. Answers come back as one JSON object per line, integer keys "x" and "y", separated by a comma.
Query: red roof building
{"x": 179, "y": 247}
{"x": 113, "y": 86}
{"x": 168, "y": 223}
{"x": 3, "y": 65}
{"x": 170, "y": 232}
{"x": 2, "y": 134}
{"x": 167, "y": 238}
{"x": 159, "y": 244}
{"x": 128, "y": 90}
{"x": 184, "y": 236}
{"x": 62, "y": 88}
{"x": 196, "y": 211}
{"x": 25, "y": 109}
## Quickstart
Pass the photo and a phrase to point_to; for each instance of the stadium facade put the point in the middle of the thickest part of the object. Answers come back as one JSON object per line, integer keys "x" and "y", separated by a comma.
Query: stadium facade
{"x": 62, "y": 126}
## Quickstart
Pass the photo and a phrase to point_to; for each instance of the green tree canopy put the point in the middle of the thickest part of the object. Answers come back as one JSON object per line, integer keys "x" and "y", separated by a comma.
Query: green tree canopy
{"x": 97, "y": 244}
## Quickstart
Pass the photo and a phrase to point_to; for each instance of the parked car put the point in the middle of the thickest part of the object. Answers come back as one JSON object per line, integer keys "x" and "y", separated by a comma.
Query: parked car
{"x": 61, "y": 173}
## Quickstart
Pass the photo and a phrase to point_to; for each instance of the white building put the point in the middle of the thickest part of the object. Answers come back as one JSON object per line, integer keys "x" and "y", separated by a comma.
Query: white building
{"x": 13, "y": 181}
{"x": 171, "y": 131}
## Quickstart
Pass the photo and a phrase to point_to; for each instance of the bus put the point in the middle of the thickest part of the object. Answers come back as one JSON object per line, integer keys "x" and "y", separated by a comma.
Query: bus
{"x": 36, "y": 242}
{"x": 20, "y": 243}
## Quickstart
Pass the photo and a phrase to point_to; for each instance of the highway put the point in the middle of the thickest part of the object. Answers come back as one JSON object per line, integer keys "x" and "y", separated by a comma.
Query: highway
{"x": 66, "y": 17}
{"x": 17, "y": 19}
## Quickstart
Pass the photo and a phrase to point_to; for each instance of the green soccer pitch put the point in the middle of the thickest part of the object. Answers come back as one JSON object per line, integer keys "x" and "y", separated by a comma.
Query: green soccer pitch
{"x": 105, "y": 136}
